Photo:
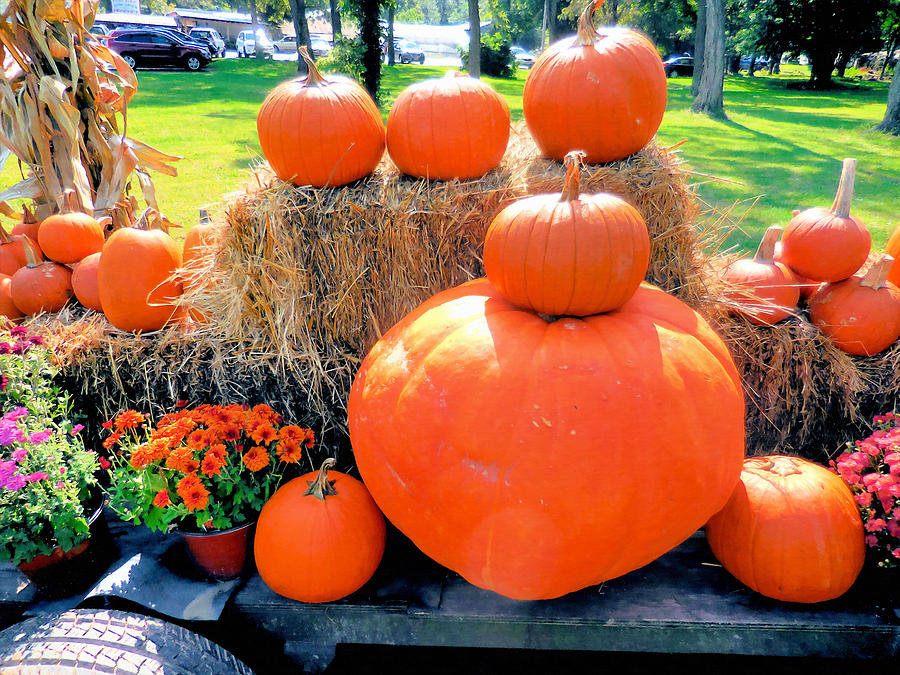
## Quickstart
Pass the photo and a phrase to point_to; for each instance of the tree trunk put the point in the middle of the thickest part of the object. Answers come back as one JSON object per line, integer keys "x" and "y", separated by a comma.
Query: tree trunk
{"x": 891, "y": 121}
{"x": 301, "y": 29}
{"x": 888, "y": 52}
{"x": 699, "y": 39}
{"x": 614, "y": 12}
{"x": 842, "y": 62}
{"x": 544, "y": 24}
{"x": 752, "y": 66}
{"x": 370, "y": 32}
{"x": 442, "y": 12}
{"x": 474, "y": 65}
{"x": 553, "y": 25}
{"x": 710, "y": 96}
{"x": 821, "y": 63}
{"x": 392, "y": 57}
{"x": 336, "y": 31}
{"x": 254, "y": 25}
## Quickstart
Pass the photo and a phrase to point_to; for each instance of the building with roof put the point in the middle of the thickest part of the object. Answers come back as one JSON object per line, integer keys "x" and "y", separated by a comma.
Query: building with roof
{"x": 227, "y": 24}
{"x": 113, "y": 20}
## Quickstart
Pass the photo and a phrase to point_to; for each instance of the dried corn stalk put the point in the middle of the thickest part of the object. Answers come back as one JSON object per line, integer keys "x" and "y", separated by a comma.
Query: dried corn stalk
{"x": 63, "y": 113}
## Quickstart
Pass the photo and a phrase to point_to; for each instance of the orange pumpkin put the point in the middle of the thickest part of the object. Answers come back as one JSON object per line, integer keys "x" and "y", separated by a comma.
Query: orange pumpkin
{"x": 892, "y": 248}
{"x": 12, "y": 253}
{"x": 84, "y": 282}
{"x": 567, "y": 253}
{"x": 828, "y": 244}
{"x": 806, "y": 286}
{"x": 449, "y": 127}
{"x": 861, "y": 314}
{"x": 28, "y": 226}
{"x": 70, "y": 236}
{"x": 197, "y": 240}
{"x": 40, "y": 286}
{"x": 135, "y": 278}
{"x": 320, "y": 130}
{"x": 603, "y": 91}
{"x": 8, "y": 308}
{"x": 761, "y": 290}
{"x": 514, "y": 464}
{"x": 791, "y": 531}
{"x": 320, "y": 537}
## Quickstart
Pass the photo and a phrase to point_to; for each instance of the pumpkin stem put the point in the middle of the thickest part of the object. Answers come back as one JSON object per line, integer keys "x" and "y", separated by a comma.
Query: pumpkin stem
{"x": 31, "y": 254}
{"x": 320, "y": 487}
{"x": 876, "y": 277}
{"x": 765, "y": 253}
{"x": 28, "y": 216}
{"x": 841, "y": 205}
{"x": 313, "y": 77}
{"x": 68, "y": 202}
{"x": 4, "y": 236}
{"x": 587, "y": 34}
{"x": 784, "y": 467}
{"x": 572, "y": 187}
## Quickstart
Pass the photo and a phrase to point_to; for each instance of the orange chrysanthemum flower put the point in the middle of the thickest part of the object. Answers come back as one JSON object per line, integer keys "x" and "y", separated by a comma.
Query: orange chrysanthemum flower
{"x": 289, "y": 451}
{"x": 264, "y": 433}
{"x": 219, "y": 451}
{"x": 112, "y": 439}
{"x": 211, "y": 465}
{"x": 129, "y": 420}
{"x": 309, "y": 438}
{"x": 231, "y": 431}
{"x": 162, "y": 499}
{"x": 256, "y": 458}
{"x": 291, "y": 432}
{"x": 182, "y": 459}
{"x": 141, "y": 456}
{"x": 199, "y": 438}
{"x": 192, "y": 492}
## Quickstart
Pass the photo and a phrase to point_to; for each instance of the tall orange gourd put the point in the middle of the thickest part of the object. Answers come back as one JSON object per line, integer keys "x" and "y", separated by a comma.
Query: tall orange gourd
{"x": 791, "y": 531}
{"x": 71, "y": 235}
{"x": 448, "y": 127}
{"x": 601, "y": 91}
{"x": 40, "y": 286}
{"x": 828, "y": 244}
{"x": 135, "y": 277}
{"x": 320, "y": 537}
{"x": 503, "y": 442}
{"x": 320, "y": 130}
{"x": 568, "y": 253}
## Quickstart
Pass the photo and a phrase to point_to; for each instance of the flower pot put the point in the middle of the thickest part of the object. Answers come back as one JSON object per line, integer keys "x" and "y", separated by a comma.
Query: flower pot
{"x": 222, "y": 553}
{"x": 60, "y": 574}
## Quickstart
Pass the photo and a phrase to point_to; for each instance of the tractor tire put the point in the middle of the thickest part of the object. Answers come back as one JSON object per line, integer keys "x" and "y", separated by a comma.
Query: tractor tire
{"x": 85, "y": 641}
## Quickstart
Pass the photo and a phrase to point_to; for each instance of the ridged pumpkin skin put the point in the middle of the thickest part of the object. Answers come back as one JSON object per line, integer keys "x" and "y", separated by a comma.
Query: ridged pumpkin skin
{"x": 602, "y": 94}
{"x": 791, "y": 531}
{"x": 312, "y": 550}
{"x": 8, "y": 308}
{"x": 828, "y": 244}
{"x": 861, "y": 314}
{"x": 448, "y": 127}
{"x": 320, "y": 130}
{"x": 892, "y": 248}
{"x": 85, "y": 282}
{"x": 68, "y": 237}
{"x": 762, "y": 291}
{"x": 539, "y": 458}
{"x": 134, "y": 279}
{"x": 567, "y": 253}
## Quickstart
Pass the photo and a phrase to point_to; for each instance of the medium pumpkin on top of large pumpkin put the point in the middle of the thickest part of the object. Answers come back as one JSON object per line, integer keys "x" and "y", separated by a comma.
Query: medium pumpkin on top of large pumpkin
{"x": 536, "y": 456}
{"x": 70, "y": 235}
{"x": 602, "y": 91}
{"x": 448, "y": 127}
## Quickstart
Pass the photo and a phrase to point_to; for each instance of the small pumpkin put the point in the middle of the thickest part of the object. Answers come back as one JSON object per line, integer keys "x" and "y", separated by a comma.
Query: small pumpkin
{"x": 892, "y": 248}
{"x": 568, "y": 253}
{"x": 761, "y": 290}
{"x": 40, "y": 286}
{"x": 861, "y": 314}
{"x": 828, "y": 244}
{"x": 197, "y": 240}
{"x": 806, "y": 286}
{"x": 320, "y": 131}
{"x": 448, "y": 127}
{"x": 69, "y": 236}
{"x": 790, "y": 531}
{"x": 320, "y": 537}
{"x": 603, "y": 91}
{"x": 12, "y": 252}
{"x": 28, "y": 226}
{"x": 85, "y": 282}
{"x": 136, "y": 276}
{"x": 8, "y": 308}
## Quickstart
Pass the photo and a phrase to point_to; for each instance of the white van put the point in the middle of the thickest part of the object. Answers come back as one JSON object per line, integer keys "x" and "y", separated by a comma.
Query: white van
{"x": 247, "y": 43}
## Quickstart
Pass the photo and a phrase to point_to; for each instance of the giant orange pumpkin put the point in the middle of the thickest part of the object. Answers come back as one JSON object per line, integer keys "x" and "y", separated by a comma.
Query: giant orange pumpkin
{"x": 568, "y": 253}
{"x": 320, "y": 130}
{"x": 861, "y": 314}
{"x": 40, "y": 286}
{"x": 450, "y": 127}
{"x": 791, "y": 531}
{"x": 70, "y": 236}
{"x": 135, "y": 278}
{"x": 828, "y": 244}
{"x": 320, "y": 537}
{"x": 537, "y": 456}
{"x": 761, "y": 290}
{"x": 892, "y": 248}
{"x": 603, "y": 91}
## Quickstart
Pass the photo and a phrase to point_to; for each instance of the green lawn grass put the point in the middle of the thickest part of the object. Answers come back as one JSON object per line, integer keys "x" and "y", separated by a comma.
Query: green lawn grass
{"x": 780, "y": 149}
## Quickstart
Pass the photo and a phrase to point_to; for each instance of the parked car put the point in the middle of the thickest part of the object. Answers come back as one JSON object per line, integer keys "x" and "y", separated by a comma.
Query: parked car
{"x": 100, "y": 29}
{"x": 761, "y": 62}
{"x": 406, "y": 51}
{"x": 211, "y": 37}
{"x": 247, "y": 43}
{"x": 320, "y": 46}
{"x": 524, "y": 58}
{"x": 286, "y": 44}
{"x": 679, "y": 66}
{"x": 152, "y": 48}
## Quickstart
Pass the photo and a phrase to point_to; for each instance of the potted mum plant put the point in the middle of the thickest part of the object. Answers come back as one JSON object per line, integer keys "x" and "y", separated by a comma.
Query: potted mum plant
{"x": 51, "y": 520}
{"x": 204, "y": 472}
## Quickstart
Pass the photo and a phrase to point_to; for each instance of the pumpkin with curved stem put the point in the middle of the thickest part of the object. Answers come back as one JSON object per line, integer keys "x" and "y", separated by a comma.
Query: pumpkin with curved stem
{"x": 603, "y": 91}
{"x": 568, "y": 253}
{"x": 514, "y": 463}
{"x": 791, "y": 531}
{"x": 40, "y": 286}
{"x": 861, "y": 314}
{"x": 136, "y": 277}
{"x": 69, "y": 236}
{"x": 12, "y": 252}
{"x": 448, "y": 127}
{"x": 8, "y": 308}
{"x": 320, "y": 537}
{"x": 761, "y": 290}
{"x": 320, "y": 131}
{"x": 85, "y": 282}
{"x": 828, "y": 244}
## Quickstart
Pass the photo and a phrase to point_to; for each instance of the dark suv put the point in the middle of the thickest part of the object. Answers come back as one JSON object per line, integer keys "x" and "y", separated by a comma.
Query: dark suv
{"x": 153, "y": 49}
